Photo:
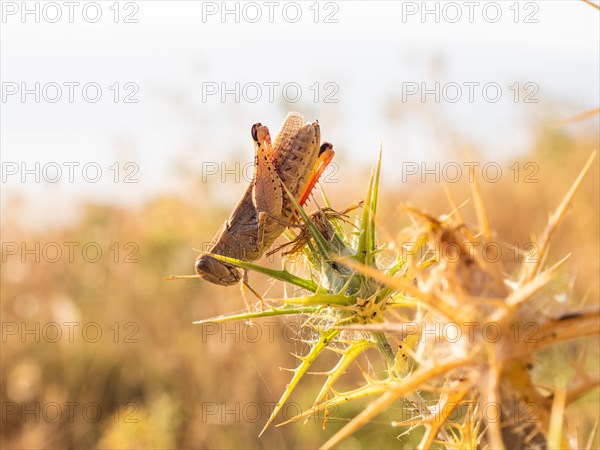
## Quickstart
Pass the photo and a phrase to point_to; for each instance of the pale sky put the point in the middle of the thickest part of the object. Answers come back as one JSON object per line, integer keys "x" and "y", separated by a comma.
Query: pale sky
{"x": 363, "y": 55}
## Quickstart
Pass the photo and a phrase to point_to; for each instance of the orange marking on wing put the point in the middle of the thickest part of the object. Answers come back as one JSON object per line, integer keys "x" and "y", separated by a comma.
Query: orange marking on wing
{"x": 316, "y": 173}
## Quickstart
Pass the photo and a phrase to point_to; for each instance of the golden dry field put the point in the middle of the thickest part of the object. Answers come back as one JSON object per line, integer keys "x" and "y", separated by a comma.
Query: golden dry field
{"x": 104, "y": 354}
{"x": 438, "y": 289}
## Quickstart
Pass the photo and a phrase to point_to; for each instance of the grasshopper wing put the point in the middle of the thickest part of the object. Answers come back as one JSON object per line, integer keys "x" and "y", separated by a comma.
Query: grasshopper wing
{"x": 287, "y": 134}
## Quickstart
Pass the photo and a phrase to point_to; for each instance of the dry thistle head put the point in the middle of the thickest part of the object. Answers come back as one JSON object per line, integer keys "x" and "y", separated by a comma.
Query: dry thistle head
{"x": 450, "y": 325}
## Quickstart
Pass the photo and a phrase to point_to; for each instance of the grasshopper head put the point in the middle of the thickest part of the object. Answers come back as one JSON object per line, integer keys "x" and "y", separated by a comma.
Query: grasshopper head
{"x": 217, "y": 272}
{"x": 260, "y": 134}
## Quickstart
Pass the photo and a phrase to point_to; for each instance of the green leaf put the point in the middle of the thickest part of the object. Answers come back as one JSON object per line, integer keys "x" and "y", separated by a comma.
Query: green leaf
{"x": 315, "y": 351}
{"x": 373, "y": 205}
{"x": 321, "y": 299}
{"x": 353, "y": 351}
{"x": 323, "y": 246}
{"x": 282, "y": 275}
{"x": 284, "y": 311}
{"x": 364, "y": 233}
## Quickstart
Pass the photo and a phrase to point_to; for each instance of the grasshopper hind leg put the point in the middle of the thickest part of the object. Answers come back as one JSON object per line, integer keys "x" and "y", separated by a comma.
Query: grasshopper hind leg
{"x": 326, "y": 154}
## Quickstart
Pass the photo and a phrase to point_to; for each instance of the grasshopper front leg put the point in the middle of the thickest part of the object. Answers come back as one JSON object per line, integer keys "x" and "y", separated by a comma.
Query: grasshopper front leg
{"x": 267, "y": 194}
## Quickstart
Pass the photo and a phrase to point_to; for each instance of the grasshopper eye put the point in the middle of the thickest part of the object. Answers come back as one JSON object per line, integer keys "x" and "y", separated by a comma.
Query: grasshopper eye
{"x": 255, "y": 130}
{"x": 325, "y": 146}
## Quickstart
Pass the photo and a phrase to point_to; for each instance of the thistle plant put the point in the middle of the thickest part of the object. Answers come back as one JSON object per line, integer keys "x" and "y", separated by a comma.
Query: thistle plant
{"x": 457, "y": 335}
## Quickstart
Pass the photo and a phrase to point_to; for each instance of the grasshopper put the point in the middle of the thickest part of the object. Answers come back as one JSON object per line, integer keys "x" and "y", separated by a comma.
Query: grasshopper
{"x": 295, "y": 159}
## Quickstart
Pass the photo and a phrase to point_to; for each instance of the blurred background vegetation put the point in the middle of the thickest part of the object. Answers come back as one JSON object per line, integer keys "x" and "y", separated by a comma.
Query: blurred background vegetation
{"x": 153, "y": 379}
{"x": 160, "y": 381}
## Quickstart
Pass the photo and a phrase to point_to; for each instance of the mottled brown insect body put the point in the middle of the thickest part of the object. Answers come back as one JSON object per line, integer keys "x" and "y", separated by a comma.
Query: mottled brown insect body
{"x": 296, "y": 159}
